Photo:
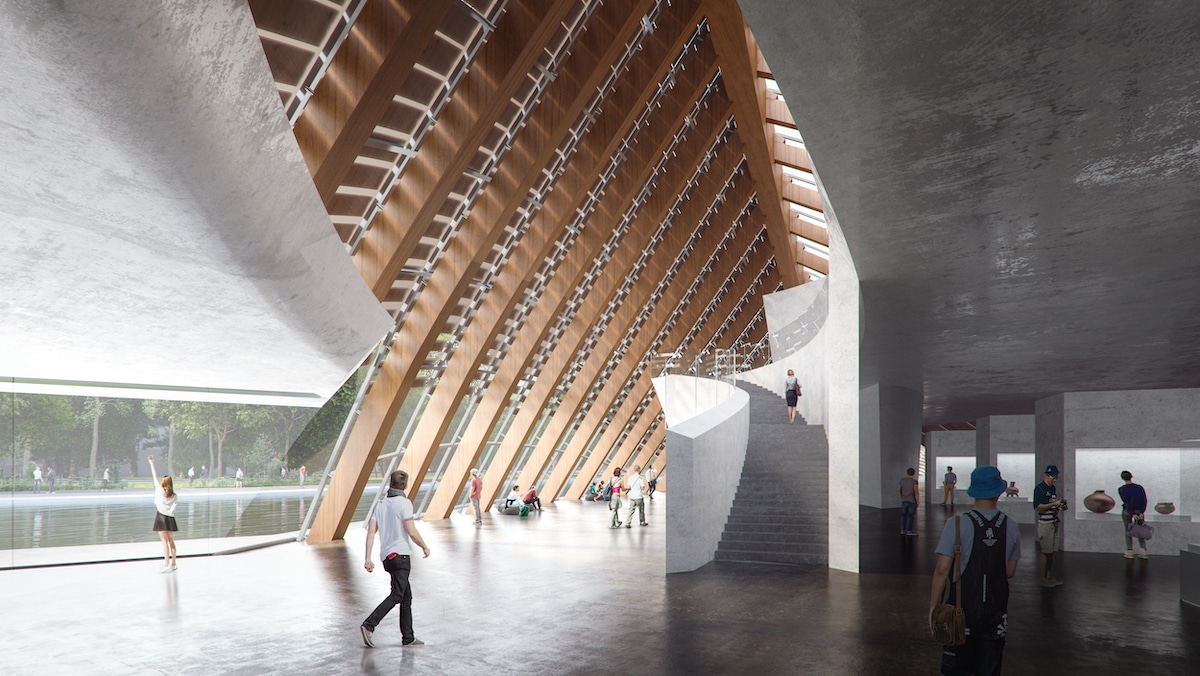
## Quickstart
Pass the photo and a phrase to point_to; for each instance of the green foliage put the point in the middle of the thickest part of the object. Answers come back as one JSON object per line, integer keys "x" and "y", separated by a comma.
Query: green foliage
{"x": 323, "y": 428}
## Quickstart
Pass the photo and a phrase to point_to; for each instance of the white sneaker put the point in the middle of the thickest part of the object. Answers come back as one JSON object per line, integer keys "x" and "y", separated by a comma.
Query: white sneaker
{"x": 1129, "y": 553}
{"x": 1144, "y": 554}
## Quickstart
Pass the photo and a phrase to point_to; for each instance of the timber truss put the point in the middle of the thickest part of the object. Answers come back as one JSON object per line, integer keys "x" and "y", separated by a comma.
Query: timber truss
{"x": 556, "y": 200}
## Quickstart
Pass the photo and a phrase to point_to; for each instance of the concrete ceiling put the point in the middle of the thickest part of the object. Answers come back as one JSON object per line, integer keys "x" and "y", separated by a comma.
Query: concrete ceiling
{"x": 1017, "y": 183}
{"x": 161, "y": 233}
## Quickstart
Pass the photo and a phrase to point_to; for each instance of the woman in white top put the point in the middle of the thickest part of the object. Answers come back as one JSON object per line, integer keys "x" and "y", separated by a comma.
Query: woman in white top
{"x": 792, "y": 387}
{"x": 164, "y": 520}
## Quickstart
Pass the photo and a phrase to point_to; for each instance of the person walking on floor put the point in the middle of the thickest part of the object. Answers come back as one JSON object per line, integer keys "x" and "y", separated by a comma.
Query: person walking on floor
{"x": 393, "y": 520}
{"x": 651, "y": 481}
{"x": 616, "y": 483}
{"x": 1133, "y": 510}
{"x": 792, "y": 392}
{"x": 165, "y": 501}
{"x": 990, "y": 550}
{"x": 636, "y": 499}
{"x": 949, "y": 481}
{"x": 476, "y": 494}
{"x": 1048, "y": 506}
{"x": 910, "y": 497}
{"x": 37, "y": 479}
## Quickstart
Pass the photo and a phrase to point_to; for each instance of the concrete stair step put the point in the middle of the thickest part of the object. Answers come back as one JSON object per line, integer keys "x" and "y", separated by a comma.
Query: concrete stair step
{"x": 782, "y": 558}
{"x": 772, "y": 546}
{"x": 736, "y": 539}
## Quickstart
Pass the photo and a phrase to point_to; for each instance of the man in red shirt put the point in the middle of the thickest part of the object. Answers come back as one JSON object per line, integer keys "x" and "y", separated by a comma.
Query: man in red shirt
{"x": 476, "y": 494}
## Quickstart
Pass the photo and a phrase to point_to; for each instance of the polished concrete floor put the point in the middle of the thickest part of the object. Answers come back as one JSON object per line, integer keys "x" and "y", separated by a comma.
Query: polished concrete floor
{"x": 561, "y": 593}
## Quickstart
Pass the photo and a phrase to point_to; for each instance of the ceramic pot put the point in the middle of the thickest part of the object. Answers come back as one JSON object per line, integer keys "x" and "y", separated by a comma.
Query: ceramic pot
{"x": 1099, "y": 502}
{"x": 1012, "y": 489}
{"x": 1165, "y": 507}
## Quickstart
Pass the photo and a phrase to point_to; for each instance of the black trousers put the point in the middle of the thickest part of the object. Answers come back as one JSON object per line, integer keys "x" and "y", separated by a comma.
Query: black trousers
{"x": 976, "y": 657}
{"x": 401, "y": 594}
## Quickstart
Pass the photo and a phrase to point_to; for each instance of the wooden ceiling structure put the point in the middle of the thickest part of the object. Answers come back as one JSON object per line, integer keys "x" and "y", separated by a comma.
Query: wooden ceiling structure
{"x": 548, "y": 196}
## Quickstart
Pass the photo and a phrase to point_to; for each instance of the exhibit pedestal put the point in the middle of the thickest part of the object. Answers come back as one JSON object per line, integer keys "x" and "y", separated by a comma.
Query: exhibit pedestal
{"x": 1189, "y": 575}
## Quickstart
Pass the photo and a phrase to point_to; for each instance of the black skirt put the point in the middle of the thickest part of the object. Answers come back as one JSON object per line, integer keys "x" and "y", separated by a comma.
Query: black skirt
{"x": 791, "y": 397}
{"x": 164, "y": 522}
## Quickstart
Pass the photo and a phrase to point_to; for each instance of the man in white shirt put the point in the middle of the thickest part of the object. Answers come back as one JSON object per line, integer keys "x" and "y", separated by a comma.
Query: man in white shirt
{"x": 651, "y": 480}
{"x": 37, "y": 479}
{"x": 636, "y": 498}
{"x": 394, "y": 521}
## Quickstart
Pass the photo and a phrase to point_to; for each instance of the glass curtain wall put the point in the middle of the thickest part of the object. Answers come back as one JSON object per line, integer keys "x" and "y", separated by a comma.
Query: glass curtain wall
{"x": 78, "y": 484}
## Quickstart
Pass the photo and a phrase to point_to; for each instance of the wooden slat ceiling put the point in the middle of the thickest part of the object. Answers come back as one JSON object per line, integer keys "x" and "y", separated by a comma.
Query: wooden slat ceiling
{"x": 548, "y": 196}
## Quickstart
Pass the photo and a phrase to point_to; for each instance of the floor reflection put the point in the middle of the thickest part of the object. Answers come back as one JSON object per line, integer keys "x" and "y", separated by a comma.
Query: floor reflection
{"x": 113, "y": 517}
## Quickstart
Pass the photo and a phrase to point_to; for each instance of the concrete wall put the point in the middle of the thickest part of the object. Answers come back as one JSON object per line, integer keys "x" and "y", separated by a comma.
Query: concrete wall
{"x": 707, "y": 453}
{"x": 827, "y": 367}
{"x": 955, "y": 448}
{"x": 1128, "y": 424}
{"x": 890, "y": 441}
{"x": 684, "y": 397}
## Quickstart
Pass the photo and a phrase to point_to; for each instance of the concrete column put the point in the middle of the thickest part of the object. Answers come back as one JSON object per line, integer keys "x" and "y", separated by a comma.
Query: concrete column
{"x": 889, "y": 441}
{"x": 1009, "y": 442}
{"x": 955, "y": 448}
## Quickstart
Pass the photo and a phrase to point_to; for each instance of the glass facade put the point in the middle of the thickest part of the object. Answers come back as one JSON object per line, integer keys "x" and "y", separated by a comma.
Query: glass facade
{"x": 77, "y": 482}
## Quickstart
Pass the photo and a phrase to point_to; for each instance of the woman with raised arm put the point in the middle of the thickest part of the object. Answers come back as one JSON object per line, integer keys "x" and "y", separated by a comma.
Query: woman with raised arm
{"x": 164, "y": 520}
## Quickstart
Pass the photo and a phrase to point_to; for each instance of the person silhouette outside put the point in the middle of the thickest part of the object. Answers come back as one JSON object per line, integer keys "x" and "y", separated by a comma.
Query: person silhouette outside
{"x": 395, "y": 523}
{"x": 991, "y": 548}
{"x": 303, "y": 473}
{"x": 651, "y": 481}
{"x": 910, "y": 497}
{"x": 792, "y": 392}
{"x": 165, "y": 501}
{"x": 191, "y": 475}
{"x": 949, "y": 481}
{"x": 37, "y": 479}
{"x": 636, "y": 499}
{"x": 104, "y": 481}
{"x": 476, "y": 494}
{"x": 238, "y": 478}
{"x": 1133, "y": 510}
{"x": 50, "y": 479}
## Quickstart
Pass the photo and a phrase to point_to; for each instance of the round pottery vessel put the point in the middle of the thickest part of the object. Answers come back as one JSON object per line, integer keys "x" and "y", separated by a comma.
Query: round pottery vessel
{"x": 1099, "y": 502}
{"x": 1165, "y": 507}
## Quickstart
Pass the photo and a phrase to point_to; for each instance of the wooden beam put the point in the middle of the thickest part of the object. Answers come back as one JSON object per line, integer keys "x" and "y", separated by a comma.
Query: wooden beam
{"x": 569, "y": 274}
{"x": 738, "y": 54}
{"x": 417, "y": 335}
{"x": 602, "y": 289}
{"x": 692, "y": 315}
{"x": 379, "y": 53}
{"x": 702, "y": 255}
{"x": 578, "y": 80}
{"x": 499, "y": 70}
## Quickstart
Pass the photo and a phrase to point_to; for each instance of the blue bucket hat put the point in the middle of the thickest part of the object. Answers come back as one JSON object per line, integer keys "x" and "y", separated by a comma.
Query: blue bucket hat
{"x": 1052, "y": 469}
{"x": 986, "y": 483}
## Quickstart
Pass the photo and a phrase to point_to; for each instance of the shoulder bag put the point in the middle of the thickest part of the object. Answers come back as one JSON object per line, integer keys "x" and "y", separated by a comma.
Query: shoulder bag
{"x": 946, "y": 622}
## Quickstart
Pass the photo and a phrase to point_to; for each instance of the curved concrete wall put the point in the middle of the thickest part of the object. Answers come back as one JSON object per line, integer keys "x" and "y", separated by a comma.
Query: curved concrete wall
{"x": 706, "y": 454}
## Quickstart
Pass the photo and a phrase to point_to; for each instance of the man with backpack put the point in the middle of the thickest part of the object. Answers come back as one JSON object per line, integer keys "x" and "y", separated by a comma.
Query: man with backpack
{"x": 990, "y": 548}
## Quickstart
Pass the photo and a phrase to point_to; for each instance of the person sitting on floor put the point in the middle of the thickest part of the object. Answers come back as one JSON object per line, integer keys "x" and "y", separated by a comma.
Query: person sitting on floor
{"x": 531, "y": 499}
{"x": 592, "y": 493}
{"x": 513, "y": 503}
